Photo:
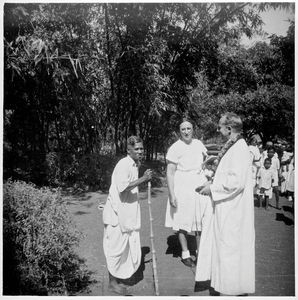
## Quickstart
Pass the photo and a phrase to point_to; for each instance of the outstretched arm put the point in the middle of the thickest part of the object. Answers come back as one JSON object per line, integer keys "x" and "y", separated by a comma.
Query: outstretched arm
{"x": 146, "y": 177}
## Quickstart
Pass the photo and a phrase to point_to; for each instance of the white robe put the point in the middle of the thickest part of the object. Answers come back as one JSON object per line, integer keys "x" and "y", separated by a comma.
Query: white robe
{"x": 203, "y": 269}
{"x": 233, "y": 250}
{"x": 122, "y": 220}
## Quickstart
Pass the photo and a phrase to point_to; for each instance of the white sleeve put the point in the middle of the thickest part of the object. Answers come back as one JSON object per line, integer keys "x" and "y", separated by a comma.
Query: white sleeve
{"x": 233, "y": 178}
{"x": 122, "y": 176}
{"x": 172, "y": 154}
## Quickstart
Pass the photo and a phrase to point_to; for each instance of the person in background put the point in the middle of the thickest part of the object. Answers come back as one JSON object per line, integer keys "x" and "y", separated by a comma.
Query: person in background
{"x": 265, "y": 180}
{"x": 254, "y": 150}
{"x": 275, "y": 165}
{"x": 290, "y": 181}
{"x": 264, "y": 153}
{"x": 233, "y": 245}
{"x": 285, "y": 161}
{"x": 184, "y": 164}
{"x": 122, "y": 219}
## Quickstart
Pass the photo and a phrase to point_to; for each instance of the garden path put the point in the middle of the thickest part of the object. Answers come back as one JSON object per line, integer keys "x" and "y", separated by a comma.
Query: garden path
{"x": 274, "y": 249}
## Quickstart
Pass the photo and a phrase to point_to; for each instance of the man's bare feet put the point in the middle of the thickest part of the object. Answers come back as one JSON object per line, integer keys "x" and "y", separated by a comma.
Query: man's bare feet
{"x": 115, "y": 286}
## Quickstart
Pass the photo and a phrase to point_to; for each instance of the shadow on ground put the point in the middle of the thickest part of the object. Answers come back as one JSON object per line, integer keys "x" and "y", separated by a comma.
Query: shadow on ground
{"x": 288, "y": 209}
{"x": 175, "y": 248}
{"x": 283, "y": 218}
{"x": 205, "y": 285}
{"x": 139, "y": 274}
{"x": 202, "y": 285}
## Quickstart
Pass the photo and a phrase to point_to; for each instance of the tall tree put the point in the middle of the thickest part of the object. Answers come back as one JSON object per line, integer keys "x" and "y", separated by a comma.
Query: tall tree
{"x": 80, "y": 78}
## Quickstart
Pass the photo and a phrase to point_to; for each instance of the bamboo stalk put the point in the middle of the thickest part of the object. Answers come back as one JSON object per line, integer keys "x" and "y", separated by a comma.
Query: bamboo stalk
{"x": 152, "y": 243}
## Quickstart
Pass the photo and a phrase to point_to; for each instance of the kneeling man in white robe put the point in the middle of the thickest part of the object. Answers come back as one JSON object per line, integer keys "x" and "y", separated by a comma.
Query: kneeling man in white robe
{"x": 233, "y": 247}
{"x": 122, "y": 219}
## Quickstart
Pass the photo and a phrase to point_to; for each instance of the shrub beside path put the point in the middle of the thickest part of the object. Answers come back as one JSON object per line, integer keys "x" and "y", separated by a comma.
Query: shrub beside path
{"x": 274, "y": 249}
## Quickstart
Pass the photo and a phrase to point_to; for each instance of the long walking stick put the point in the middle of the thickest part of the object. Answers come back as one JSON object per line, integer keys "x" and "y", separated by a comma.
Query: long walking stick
{"x": 152, "y": 243}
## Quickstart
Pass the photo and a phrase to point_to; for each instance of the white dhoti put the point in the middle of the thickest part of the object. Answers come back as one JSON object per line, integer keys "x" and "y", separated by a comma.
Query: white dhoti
{"x": 122, "y": 251}
{"x": 187, "y": 214}
{"x": 122, "y": 221}
{"x": 203, "y": 270}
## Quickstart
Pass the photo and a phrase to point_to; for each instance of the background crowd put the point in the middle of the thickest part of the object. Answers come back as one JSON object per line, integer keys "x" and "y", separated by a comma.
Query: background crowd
{"x": 273, "y": 170}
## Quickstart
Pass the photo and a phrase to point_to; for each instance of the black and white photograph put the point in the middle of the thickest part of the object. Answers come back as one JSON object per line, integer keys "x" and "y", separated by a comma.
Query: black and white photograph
{"x": 148, "y": 149}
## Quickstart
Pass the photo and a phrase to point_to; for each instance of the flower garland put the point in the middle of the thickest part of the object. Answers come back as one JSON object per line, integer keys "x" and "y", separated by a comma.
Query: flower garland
{"x": 224, "y": 150}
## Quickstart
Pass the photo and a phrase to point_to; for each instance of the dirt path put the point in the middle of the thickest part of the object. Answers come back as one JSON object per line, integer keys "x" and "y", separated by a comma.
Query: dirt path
{"x": 274, "y": 249}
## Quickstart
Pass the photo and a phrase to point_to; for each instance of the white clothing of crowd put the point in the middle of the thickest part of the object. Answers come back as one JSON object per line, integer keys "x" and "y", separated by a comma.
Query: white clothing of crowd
{"x": 282, "y": 170}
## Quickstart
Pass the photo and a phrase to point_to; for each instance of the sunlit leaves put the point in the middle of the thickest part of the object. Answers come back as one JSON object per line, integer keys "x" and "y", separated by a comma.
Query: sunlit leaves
{"x": 92, "y": 74}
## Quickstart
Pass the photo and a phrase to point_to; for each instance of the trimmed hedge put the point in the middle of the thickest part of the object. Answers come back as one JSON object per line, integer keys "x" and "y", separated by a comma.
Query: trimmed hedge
{"x": 39, "y": 238}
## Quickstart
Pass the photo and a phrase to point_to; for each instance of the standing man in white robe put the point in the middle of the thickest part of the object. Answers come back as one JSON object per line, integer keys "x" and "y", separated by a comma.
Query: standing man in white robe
{"x": 233, "y": 248}
{"x": 122, "y": 219}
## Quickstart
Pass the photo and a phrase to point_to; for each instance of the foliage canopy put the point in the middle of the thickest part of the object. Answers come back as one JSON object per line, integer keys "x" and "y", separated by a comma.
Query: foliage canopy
{"x": 80, "y": 78}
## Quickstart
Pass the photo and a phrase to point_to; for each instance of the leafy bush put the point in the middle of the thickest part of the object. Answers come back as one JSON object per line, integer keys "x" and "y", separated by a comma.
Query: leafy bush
{"x": 39, "y": 239}
{"x": 88, "y": 170}
{"x": 95, "y": 170}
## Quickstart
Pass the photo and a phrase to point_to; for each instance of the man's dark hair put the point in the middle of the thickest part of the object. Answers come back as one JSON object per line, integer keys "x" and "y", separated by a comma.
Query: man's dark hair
{"x": 267, "y": 160}
{"x": 132, "y": 140}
